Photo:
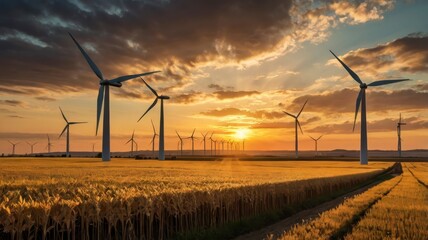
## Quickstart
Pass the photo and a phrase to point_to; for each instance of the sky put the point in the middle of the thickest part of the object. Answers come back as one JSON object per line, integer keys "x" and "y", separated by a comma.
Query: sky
{"x": 230, "y": 67}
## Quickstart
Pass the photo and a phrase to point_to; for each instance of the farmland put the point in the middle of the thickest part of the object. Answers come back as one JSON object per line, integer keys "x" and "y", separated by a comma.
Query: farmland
{"x": 86, "y": 198}
{"x": 394, "y": 209}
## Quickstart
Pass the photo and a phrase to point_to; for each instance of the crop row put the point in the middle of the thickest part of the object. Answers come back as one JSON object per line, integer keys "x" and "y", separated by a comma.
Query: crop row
{"x": 127, "y": 211}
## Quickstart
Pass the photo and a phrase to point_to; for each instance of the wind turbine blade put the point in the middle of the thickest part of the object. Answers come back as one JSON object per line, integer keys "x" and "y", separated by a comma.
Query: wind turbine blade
{"x": 128, "y": 141}
{"x": 63, "y": 116}
{"x": 289, "y": 114}
{"x": 65, "y": 128}
{"x": 154, "y": 129}
{"x": 11, "y": 142}
{"x": 132, "y": 137}
{"x": 77, "y": 122}
{"x": 151, "y": 89}
{"x": 298, "y": 123}
{"x": 319, "y": 137}
{"x": 151, "y": 106}
{"x": 302, "y": 108}
{"x": 129, "y": 77}
{"x": 357, "y": 107}
{"x": 352, "y": 73}
{"x": 312, "y": 138}
{"x": 399, "y": 121}
{"x": 193, "y": 132}
{"x": 99, "y": 106}
{"x": 93, "y": 66}
{"x": 384, "y": 82}
{"x": 178, "y": 134}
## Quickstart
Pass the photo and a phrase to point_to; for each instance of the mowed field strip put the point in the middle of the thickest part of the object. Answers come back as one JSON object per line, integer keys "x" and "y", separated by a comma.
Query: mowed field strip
{"x": 86, "y": 198}
{"x": 394, "y": 209}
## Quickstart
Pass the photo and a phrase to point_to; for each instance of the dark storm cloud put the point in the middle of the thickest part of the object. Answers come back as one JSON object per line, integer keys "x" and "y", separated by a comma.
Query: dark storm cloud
{"x": 343, "y": 101}
{"x": 407, "y": 54}
{"x": 131, "y": 36}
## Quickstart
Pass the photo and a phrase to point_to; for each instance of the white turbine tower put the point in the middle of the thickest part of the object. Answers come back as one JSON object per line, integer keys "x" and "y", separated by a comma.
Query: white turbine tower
{"x": 132, "y": 141}
{"x": 104, "y": 94}
{"x": 49, "y": 144}
{"x": 204, "y": 140}
{"x": 180, "y": 142}
{"x": 153, "y": 138}
{"x": 13, "y": 146}
{"x": 399, "y": 124}
{"x": 296, "y": 123}
{"x": 361, "y": 100}
{"x": 67, "y": 127}
{"x": 316, "y": 144}
{"x": 31, "y": 146}
{"x": 193, "y": 141}
{"x": 161, "y": 127}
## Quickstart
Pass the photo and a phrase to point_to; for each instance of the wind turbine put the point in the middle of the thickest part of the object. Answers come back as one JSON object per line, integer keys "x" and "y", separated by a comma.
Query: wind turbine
{"x": 161, "y": 130}
{"x": 103, "y": 92}
{"x": 153, "y": 138}
{"x": 193, "y": 141}
{"x": 361, "y": 100}
{"x": 13, "y": 146}
{"x": 32, "y": 146}
{"x": 399, "y": 124}
{"x": 211, "y": 141}
{"x": 203, "y": 139}
{"x": 132, "y": 142}
{"x": 297, "y": 123}
{"x": 49, "y": 144}
{"x": 316, "y": 144}
{"x": 180, "y": 142}
{"x": 67, "y": 127}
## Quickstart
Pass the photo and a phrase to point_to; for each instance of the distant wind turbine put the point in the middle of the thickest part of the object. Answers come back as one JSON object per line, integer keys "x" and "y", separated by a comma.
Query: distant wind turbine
{"x": 49, "y": 144}
{"x": 203, "y": 140}
{"x": 13, "y": 146}
{"x": 361, "y": 100}
{"x": 211, "y": 141}
{"x": 31, "y": 146}
{"x": 192, "y": 137}
{"x": 316, "y": 144}
{"x": 399, "y": 124}
{"x": 103, "y": 92}
{"x": 67, "y": 127}
{"x": 297, "y": 123}
{"x": 161, "y": 127}
{"x": 132, "y": 141}
{"x": 153, "y": 138}
{"x": 180, "y": 142}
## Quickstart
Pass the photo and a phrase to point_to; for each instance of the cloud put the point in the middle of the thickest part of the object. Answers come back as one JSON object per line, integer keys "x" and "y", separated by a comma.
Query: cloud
{"x": 46, "y": 99}
{"x": 242, "y": 112}
{"x": 285, "y": 124}
{"x": 407, "y": 54}
{"x": 13, "y": 103}
{"x": 216, "y": 87}
{"x": 15, "y": 116}
{"x": 384, "y": 125}
{"x": 35, "y": 39}
{"x": 233, "y": 94}
{"x": 356, "y": 12}
{"x": 343, "y": 101}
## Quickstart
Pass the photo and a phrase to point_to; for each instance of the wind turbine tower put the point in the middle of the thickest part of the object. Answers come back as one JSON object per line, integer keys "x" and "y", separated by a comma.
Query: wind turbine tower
{"x": 361, "y": 100}
{"x": 180, "y": 142}
{"x": 104, "y": 94}
{"x": 13, "y": 146}
{"x": 399, "y": 124}
{"x": 31, "y": 146}
{"x": 131, "y": 140}
{"x": 297, "y": 123}
{"x": 161, "y": 127}
{"x": 67, "y": 127}
{"x": 203, "y": 139}
{"x": 153, "y": 138}
{"x": 316, "y": 144}
{"x": 192, "y": 137}
{"x": 49, "y": 144}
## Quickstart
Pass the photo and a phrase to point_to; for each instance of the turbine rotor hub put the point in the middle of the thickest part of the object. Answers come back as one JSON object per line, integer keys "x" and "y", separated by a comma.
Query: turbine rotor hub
{"x": 363, "y": 86}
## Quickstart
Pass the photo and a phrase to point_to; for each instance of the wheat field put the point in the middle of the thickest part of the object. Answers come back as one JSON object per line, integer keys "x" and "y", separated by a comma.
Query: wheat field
{"x": 129, "y": 199}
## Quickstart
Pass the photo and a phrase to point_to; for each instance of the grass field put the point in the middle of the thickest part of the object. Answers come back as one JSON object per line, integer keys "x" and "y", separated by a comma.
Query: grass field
{"x": 86, "y": 198}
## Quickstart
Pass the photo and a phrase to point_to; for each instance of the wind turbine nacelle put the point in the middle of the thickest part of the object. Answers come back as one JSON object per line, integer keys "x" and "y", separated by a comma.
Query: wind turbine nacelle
{"x": 115, "y": 84}
{"x": 107, "y": 82}
{"x": 164, "y": 97}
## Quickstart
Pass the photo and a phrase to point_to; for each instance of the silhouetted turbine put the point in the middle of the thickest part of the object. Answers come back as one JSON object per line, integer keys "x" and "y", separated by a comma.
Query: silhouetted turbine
{"x": 297, "y": 123}
{"x": 67, "y": 127}
{"x": 399, "y": 124}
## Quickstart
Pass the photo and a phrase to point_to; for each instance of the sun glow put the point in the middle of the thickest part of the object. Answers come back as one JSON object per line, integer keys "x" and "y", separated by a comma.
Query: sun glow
{"x": 241, "y": 133}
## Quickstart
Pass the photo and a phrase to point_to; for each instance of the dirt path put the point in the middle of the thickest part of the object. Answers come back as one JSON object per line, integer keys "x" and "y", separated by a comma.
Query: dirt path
{"x": 278, "y": 228}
